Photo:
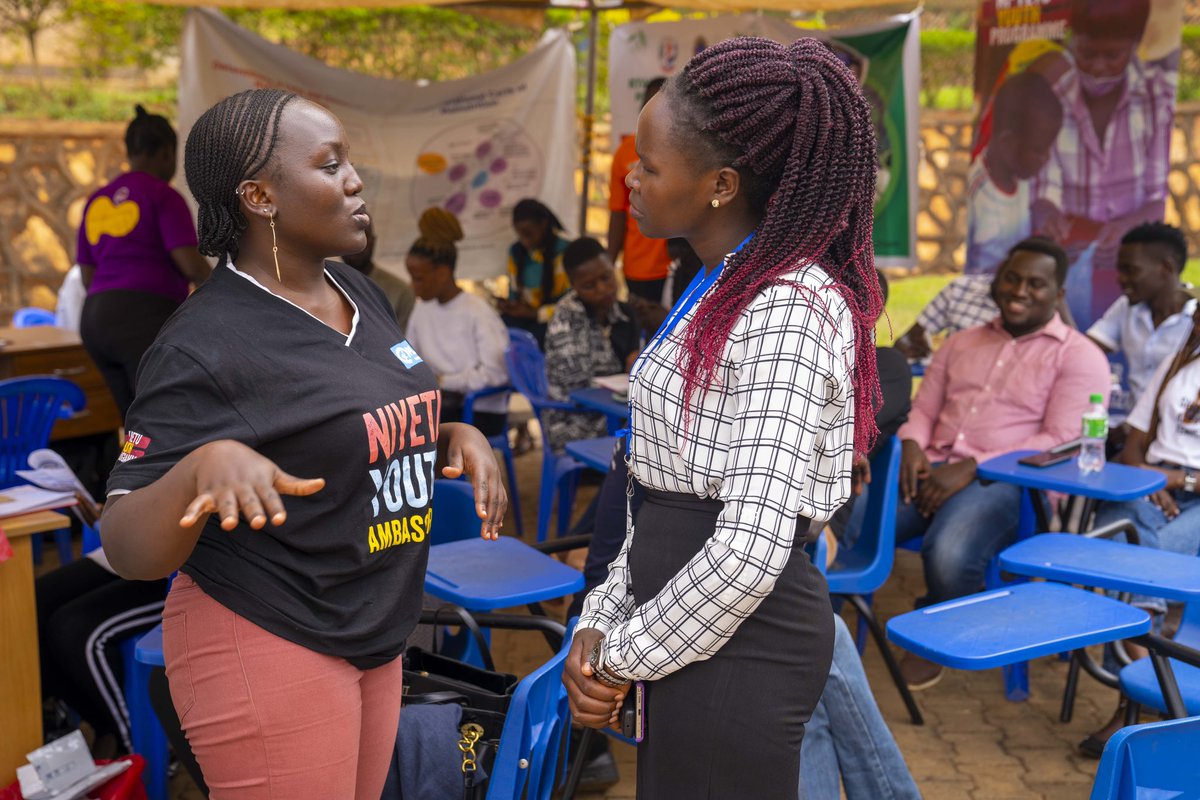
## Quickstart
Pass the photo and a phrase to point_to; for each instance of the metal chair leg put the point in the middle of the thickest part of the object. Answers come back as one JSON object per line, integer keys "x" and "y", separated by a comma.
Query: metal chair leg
{"x": 1068, "y": 700}
{"x": 880, "y": 638}
{"x": 576, "y": 772}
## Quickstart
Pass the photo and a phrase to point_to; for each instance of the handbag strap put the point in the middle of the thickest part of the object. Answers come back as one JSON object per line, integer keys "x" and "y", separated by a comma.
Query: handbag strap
{"x": 436, "y": 698}
{"x": 471, "y": 625}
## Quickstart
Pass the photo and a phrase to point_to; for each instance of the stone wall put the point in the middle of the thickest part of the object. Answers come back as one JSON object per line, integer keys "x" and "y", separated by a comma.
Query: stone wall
{"x": 47, "y": 171}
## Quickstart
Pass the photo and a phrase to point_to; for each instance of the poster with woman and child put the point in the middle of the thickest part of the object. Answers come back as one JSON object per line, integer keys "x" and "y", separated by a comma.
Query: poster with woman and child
{"x": 1076, "y": 101}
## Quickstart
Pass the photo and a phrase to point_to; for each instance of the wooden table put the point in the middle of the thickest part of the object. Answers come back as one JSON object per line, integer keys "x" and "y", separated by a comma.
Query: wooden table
{"x": 20, "y": 679}
{"x": 46, "y": 350}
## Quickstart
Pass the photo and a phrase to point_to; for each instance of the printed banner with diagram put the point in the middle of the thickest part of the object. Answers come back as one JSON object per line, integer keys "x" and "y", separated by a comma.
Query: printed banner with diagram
{"x": 474, "y": 146}
{"x": 1077, "y": 100}
{"x": 885, "y": 57}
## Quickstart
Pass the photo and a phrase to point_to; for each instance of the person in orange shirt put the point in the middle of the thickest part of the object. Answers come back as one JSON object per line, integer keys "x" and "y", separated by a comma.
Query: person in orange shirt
{"x": 646, "y": 260}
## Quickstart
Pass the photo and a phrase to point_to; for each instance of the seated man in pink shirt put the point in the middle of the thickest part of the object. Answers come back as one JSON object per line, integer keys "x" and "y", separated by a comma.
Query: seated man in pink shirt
{"x": 1019, "y": 382}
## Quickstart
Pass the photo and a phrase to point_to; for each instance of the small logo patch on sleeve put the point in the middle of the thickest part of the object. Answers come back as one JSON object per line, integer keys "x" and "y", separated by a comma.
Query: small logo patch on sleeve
{"x": 135, "y": 446}
{"x": 404, "y": 351}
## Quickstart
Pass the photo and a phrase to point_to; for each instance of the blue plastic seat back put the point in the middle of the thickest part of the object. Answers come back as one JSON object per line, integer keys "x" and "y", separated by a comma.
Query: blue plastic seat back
{"x": 527, "y": 371}
{"x": 520, "y": 334}
{"x": 454, "y": 517}
{"x": 29, "y": 407}
{"x": 869, "y": 563}
{"x": 537, "y": 720}
{"x": 32, "y": 317}
{"x": 1156, "y": 760}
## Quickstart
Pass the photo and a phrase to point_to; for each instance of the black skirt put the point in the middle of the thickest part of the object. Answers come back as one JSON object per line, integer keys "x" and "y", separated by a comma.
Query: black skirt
{"x": 730, "y": 727}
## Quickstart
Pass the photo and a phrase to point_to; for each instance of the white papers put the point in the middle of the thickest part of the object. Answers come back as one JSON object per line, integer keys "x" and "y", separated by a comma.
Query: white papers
{"x": 17, "y": 500}
{"x": 49, "y": 471}
{"x": 617, "y": 384}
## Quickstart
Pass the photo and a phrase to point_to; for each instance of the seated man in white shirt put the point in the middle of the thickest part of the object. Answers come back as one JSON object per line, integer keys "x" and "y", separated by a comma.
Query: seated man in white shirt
{"x": 460, "y": 336}
{"x": 1153, "y": 315}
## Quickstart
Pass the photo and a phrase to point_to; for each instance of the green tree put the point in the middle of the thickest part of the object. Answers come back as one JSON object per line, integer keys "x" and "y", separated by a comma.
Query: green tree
{"x": 28, "y": 18}
{"x": 111, "y": 35}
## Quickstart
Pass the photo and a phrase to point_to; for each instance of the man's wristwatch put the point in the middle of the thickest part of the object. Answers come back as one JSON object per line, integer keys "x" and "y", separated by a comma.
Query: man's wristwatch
{"x": 599, "y": 672}
{"x": 1189, "y": 481}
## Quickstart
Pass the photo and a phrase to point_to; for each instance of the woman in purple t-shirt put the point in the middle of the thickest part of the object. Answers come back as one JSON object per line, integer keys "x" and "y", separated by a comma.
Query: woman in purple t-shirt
{"x": 137, "y": 249}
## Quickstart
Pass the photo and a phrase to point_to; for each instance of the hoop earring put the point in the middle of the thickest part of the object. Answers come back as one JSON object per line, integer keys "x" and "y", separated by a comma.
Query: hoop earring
{"x": 716, "y": 203}
{"x": 275, "y": 250}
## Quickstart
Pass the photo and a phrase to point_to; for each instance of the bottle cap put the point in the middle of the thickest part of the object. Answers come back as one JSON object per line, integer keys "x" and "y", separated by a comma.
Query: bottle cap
{"x": 1096, "y": 398}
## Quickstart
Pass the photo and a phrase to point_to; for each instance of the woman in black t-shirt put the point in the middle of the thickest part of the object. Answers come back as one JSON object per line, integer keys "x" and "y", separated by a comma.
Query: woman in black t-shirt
{"x": 281, "y": 640}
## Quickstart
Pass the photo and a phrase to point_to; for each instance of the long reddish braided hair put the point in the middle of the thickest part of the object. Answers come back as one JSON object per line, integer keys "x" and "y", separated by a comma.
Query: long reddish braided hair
{"x": 792, "y": 120}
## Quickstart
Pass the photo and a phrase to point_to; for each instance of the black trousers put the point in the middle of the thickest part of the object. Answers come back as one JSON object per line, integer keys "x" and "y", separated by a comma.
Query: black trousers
{"x": 84, "y": 613}
{"x": 117, "y": 328}
{"x": 649, "y": 290}
{"x": 730, "y": 727}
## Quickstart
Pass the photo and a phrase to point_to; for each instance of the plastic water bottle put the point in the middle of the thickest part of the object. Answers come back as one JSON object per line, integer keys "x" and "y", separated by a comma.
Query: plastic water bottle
{"x": 1095, "y": 436}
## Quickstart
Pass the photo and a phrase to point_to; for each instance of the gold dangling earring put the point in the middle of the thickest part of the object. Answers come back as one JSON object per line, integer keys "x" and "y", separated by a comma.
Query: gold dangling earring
{"x": 275, "y": 250}
{"x": 716, "y": 203}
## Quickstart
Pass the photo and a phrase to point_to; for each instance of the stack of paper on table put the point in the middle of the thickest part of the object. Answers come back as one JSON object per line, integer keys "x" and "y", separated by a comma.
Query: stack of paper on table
{"x": 18, "y": 500}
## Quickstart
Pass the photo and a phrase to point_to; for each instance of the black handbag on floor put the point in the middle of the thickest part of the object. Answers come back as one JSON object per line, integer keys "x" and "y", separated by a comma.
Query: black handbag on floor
{"x": 455, "y": 744}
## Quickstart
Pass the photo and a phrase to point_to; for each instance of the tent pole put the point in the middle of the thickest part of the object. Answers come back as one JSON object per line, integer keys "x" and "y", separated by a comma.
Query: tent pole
{"x": 589, "y": 114}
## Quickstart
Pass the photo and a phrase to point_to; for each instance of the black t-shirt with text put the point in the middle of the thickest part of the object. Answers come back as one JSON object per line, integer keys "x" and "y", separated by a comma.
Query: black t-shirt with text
{"x": 344, "y": 574}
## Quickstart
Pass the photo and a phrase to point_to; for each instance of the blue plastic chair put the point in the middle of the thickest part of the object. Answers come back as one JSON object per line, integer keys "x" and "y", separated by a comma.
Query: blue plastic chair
{"x": 1016, "y": 675}
{"x": 483, "y": 575}
{"x": 32, "y": 317}
{"x": 531, "y": 743}
{"x": 560, "y": 473}
{"x": 29, "y": 407}
{"x": 1157, "y": 760}
{"x": 863, "y": 569}
{"x": 140, "y": 655}
{"x": 1140, "y": 683}
{"x": 499, "y": 442}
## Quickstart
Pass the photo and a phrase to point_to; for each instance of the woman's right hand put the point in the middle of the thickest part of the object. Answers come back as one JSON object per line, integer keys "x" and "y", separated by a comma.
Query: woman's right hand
{"x": 231, "y": 478}
{"x": 593, "y": 704}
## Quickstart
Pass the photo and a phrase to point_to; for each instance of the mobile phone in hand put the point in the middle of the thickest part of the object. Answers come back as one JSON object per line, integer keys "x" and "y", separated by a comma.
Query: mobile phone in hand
{"x": 633, "y": 712}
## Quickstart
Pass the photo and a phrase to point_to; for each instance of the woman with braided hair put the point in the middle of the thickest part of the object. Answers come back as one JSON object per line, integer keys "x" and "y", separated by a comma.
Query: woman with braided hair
{"x": 747, "y": 410}
{"x": 471, "y": 357}
{"x": 282, "y": 630}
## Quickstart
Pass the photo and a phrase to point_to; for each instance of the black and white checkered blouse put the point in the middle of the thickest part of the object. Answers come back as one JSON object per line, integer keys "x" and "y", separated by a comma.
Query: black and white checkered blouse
{"x": 773, "y": 439}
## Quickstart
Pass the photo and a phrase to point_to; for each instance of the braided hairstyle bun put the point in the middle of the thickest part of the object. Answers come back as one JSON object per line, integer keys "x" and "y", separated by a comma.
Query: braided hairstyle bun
{"x": 231, "y": 142}
{"x": 792, "y": 120}
{"x": 439, "y": 229}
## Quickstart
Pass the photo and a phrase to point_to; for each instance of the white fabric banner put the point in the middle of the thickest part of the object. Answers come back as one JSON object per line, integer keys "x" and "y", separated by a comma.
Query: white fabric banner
{"x": 475, "y": 146}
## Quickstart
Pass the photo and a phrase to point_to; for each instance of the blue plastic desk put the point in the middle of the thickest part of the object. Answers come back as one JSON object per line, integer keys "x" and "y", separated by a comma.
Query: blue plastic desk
{"x": 595, "y": 453}
{"x": 1114, "y": 482}
{"x": 1016, "y": 623}
{"x": 602, "y": 400}
{"x": 1105, "y": 564}
{"x": 483, "y": 576}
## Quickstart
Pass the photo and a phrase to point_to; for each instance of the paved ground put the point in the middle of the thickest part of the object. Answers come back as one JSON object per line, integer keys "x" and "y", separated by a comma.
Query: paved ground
{"x": 975, "y": 745}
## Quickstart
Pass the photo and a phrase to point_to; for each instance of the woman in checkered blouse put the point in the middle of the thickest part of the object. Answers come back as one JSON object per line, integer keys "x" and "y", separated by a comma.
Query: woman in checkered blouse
{"x": 743, "y": 419}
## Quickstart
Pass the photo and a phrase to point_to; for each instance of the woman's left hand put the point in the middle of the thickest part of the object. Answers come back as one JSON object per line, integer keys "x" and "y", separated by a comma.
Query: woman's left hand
{"x": 467, "y": 451}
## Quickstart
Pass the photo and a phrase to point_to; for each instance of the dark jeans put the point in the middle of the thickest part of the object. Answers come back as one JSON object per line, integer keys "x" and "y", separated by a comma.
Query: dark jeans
{"x": 608, "y": 528}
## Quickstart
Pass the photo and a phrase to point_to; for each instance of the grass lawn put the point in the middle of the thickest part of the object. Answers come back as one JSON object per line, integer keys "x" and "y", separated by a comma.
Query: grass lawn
{"x": 907, "y": 296}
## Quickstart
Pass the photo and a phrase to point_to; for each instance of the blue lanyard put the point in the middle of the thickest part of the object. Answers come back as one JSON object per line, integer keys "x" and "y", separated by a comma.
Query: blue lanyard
{"x": 699, "y": 286}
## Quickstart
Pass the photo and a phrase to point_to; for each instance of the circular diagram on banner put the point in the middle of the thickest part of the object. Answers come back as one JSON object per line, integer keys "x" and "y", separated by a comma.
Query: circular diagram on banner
{"x": 478, "y": 171}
